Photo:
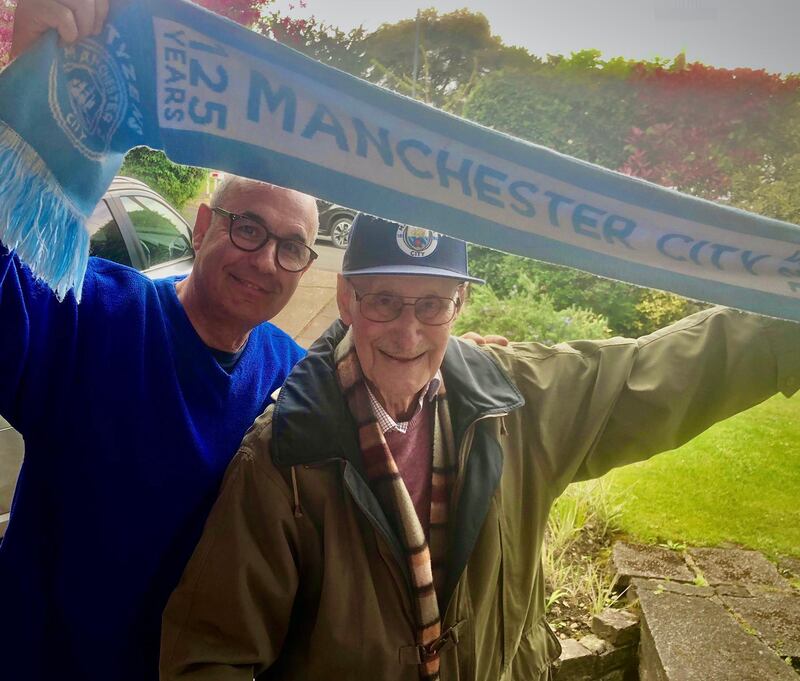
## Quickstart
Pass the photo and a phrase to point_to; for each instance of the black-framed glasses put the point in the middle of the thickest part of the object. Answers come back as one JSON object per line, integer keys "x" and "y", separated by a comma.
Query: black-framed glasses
{"x": 248, "y": 234}
{"x": 386, "y": 307}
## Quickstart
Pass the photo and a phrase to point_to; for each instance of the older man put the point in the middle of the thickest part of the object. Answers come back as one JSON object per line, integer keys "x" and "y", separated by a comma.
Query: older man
{"x": 385, "y": 519}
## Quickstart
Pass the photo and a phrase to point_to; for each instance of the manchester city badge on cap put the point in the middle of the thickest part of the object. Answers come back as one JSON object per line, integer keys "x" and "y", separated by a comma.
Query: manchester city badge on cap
{"x": 416, "y": 241}
{"x": 379, "y": 246}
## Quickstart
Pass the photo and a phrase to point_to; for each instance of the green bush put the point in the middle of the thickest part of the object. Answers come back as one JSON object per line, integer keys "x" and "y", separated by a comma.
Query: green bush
{"x": 176, "y": 183}
{"x": 526, "y": 315}
{"x": 629, "y": 310}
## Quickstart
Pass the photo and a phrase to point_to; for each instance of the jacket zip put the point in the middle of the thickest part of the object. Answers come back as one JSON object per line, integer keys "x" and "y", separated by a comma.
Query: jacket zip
{"x": 463, "y": 453}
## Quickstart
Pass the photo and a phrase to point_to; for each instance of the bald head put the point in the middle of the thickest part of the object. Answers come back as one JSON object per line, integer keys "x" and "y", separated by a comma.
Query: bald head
{"x": 234, "y": 185}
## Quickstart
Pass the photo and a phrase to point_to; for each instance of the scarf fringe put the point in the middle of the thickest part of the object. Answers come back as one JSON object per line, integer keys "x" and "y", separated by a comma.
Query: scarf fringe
{"x": 37, "y": 220}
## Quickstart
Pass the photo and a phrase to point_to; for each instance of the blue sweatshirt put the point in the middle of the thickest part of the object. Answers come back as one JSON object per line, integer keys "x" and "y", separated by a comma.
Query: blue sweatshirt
{"x": 129, "y": 423}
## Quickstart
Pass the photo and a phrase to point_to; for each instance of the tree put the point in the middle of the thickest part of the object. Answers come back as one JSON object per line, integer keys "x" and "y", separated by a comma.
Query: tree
{"x": 175, "y": 182}
{"x": 330, "y": 45}
{"x": 455, "y": 50}
{"x": 696, "y": 124}
{"x": 245, "y": 12}
{"x": 770, "y": 186}
{"x": 573, "y": 105}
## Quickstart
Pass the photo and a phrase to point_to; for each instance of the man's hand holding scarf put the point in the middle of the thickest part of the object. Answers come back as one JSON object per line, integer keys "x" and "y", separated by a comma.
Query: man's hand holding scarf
{"x": 73, "y": 19}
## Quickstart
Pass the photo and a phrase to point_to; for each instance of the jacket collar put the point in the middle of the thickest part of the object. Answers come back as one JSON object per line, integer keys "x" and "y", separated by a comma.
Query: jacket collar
{"x": 312, "y": 424}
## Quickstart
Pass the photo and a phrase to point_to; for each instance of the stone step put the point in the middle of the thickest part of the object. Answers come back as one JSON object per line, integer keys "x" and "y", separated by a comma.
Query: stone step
{"x": 687, "y": 634}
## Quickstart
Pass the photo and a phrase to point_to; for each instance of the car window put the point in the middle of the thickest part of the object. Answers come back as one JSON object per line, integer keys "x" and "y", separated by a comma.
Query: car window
{"x": 160, "y": 231}
{"x": 105, "y": 237}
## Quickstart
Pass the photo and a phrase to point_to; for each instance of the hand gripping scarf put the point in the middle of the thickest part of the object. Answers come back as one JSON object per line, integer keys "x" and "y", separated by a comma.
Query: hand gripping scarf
{"x": 172, "y": 76}
{"x": 426, "y": 559}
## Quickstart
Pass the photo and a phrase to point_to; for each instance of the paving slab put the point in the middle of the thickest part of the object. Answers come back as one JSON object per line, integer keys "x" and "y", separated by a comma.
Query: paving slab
{"x": 737, "y": 566}
{"x": 733, "y": 590}
{"x": 318, "y": 325}
{"x": 685, "y": 638}
{"x": 634, "y": 560}
{"x": 312, "y": 299}
{"x": 776, "y": 618}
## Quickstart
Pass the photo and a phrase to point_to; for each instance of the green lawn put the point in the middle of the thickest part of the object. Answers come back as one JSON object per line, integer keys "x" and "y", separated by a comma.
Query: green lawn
{"x": 738, "y": 482}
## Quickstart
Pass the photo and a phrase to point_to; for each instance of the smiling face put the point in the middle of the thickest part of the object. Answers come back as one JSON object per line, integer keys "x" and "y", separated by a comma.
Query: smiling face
{"x": 400, "y": 357}
{"x": 241, "y": 289}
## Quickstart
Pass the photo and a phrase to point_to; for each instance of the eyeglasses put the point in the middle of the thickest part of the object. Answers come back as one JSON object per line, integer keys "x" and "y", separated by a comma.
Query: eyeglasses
{"x": 250, "y": 235}
{"x": 386, "y": 307}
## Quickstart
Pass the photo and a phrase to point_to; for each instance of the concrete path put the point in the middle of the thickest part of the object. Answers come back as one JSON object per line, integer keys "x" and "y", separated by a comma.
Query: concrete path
{"x": 312, "y": 309}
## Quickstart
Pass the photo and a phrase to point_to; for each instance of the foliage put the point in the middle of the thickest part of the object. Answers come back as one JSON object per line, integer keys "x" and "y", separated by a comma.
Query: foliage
{"x": 579, "y": 529}
{"x": 343, "y": 50}
{"x": 245, "y": 12}
{"x": 455, "y": 51}
{"x": 745, "y": 470}
{"x": 769, "y": 187}
{"x": 695, "y": 123}
{"x": 569, "y": 104}
{"x": 176, "y": 183}
{"x": 6, "y": 28}
{"x": 256, "y": 14}
{"x": 629, "y": 310}
{"x": 717, "y": 133}
{"x": 687, "y": 126}
{"x": 527, "y": 315}
{"x": 656, "y": 309}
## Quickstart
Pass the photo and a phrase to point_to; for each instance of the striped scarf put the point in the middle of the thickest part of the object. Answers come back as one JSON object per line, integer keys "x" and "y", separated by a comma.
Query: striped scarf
{"x": 426, "y": 558}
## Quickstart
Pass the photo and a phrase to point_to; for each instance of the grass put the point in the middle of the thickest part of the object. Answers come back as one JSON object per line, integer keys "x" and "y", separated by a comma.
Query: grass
{"x": 738, "y": 482}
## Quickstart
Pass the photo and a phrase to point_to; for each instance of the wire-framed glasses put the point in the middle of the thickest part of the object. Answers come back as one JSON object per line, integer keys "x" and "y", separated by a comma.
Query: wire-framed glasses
{"x": 386, "y": 307}
{"x": 248, "y": 234}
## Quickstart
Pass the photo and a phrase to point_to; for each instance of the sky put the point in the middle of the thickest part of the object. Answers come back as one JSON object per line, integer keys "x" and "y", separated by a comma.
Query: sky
{"x": 760, "y": 34}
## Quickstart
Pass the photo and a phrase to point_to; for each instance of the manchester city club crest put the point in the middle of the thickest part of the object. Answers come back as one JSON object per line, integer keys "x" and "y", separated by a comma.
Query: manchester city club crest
{"x": 88, "y": 96}
{"x": 416, "y": 241}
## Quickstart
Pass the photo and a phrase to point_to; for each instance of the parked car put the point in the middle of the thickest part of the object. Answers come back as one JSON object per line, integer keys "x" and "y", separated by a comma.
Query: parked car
{"x": 136, "y": 226}
{"x": 132, "y": 225}
{"x": 335, "y": 222}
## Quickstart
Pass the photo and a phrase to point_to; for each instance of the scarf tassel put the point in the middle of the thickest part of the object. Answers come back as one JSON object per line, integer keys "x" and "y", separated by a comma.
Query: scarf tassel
{"x": 37, "y": 220}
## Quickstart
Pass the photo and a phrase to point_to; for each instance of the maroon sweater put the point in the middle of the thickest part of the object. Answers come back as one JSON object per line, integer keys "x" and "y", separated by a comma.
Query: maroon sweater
{"x": 413, "y": 454}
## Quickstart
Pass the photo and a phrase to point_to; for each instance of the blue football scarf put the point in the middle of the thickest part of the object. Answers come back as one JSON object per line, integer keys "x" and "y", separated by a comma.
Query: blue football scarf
{"x": 172, "y": 76}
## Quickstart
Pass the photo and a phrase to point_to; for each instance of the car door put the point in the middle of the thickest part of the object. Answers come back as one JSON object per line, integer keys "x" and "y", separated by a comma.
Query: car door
{"x": 162, "y": 239}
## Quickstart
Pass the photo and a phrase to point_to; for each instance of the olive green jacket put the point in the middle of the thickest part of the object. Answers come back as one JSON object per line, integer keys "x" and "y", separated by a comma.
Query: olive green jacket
{"x": 299, "y": 574}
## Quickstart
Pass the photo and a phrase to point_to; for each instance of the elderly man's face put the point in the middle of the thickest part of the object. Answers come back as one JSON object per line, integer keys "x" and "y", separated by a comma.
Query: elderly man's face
{"x": 247, "y": 288}
{"x": 398, "y": 357}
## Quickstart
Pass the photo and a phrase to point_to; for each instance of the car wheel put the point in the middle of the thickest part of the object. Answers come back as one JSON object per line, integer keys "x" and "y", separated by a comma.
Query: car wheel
{"x": 340, "y": 231}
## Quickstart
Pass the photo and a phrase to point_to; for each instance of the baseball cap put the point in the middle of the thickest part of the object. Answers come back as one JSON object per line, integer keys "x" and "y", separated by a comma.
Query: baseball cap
{"x": 379, "y": 246}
